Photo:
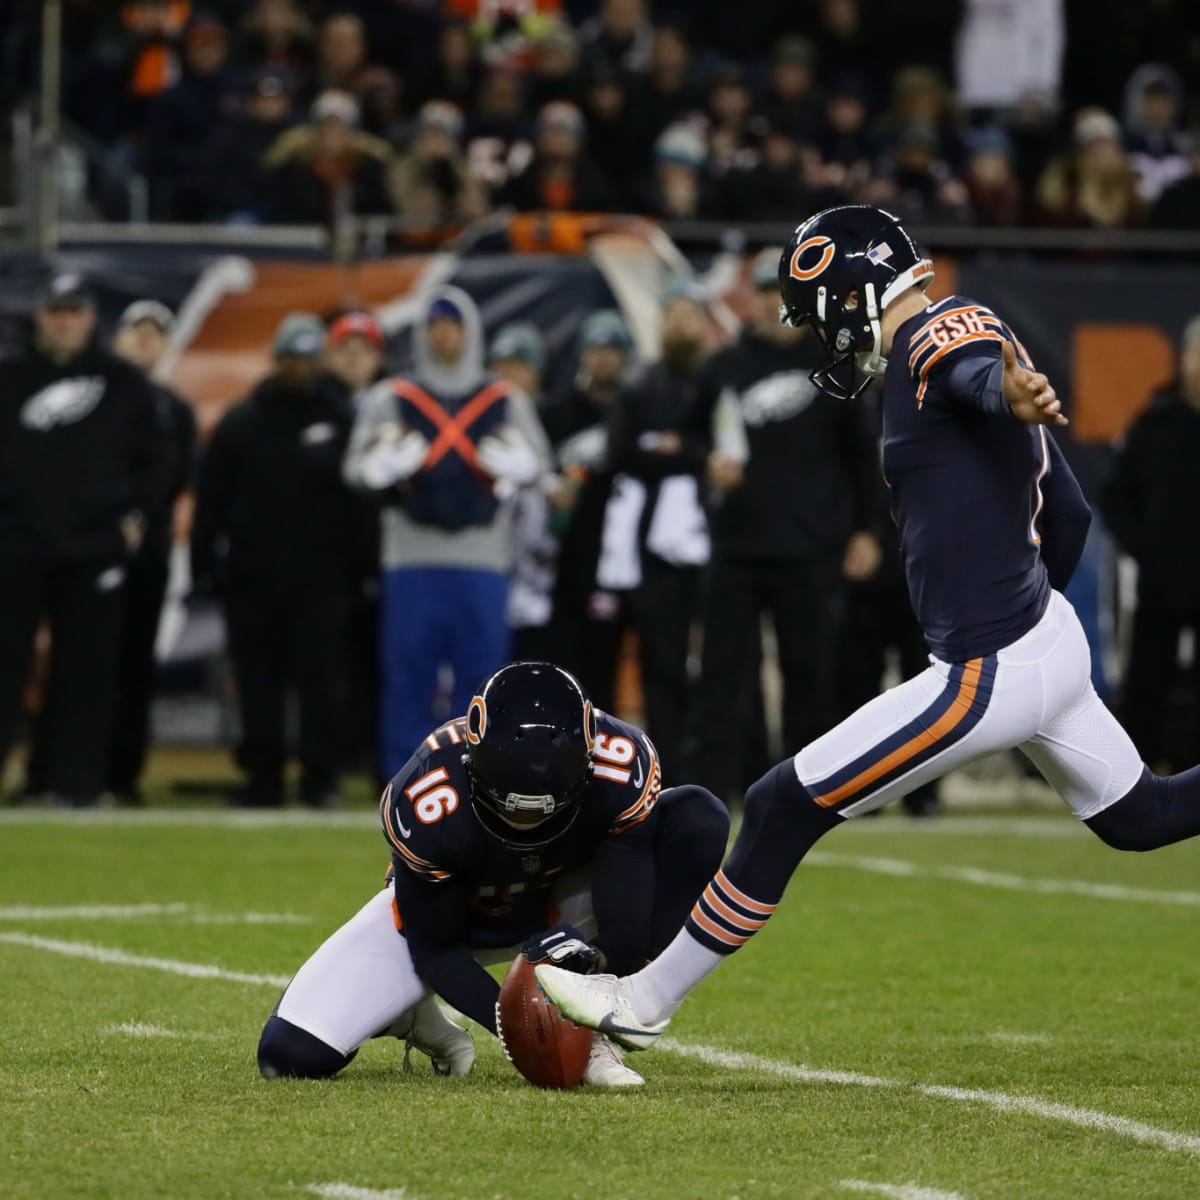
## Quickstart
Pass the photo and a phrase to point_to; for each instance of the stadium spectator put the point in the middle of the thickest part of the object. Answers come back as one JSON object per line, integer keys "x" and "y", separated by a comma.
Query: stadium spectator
{"x": 848, "y": 45}
{"x": 1179, "y": 205}
{"x": 846, "y": 144}
{"x": 561, "y": 177}
{"x": 669, "y": 92}
{"x": 920, "y": 96}
{"x": 1156, "y": 147}
{"x": 1008, "y": 56}
{"x": 791, "y": 103}
{"x": 991, "y": 180}
{"x": 275, "y": 33}
{"x": 915, "y": 182}
{"x": 445, "y": 448}
{"x": 277, "y": 538}
{"x": 1094, "y": 185}
{"x": 658, "y": 459}
{"x": 342, "y": 54}
{"x": 794, "y": 501}
{"x": 620, "y": 35}
{"x": 1149, "y": 506}
{"x": 430, "y": 183}
{"x": 617, "y": 135}
{"x": 381, "y": 100}
{"x": 556, "y": 72}
{"x": 517, "y": 354}
{"x": 680, "y": 189}
{"x": 586, "y": 629}
{"x": 183, "y": 117}
{"x": 328, "y": 168}
{"x": 452, "y": 72}
{"x": 143, "y": 336}
{"x": 232, "y": 181}
{"x": 499, "y": 133}
{"x": 82, "y": 461}
{"x": 732, "y": 138}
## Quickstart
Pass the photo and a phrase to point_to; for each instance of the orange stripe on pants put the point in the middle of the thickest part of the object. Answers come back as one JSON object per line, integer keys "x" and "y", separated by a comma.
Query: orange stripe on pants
{"x": 927, "y": 738}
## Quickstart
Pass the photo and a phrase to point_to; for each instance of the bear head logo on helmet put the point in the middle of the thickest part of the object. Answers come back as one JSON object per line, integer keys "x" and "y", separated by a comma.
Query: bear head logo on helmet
{"x": 531, "y": 733}
{"x": 838, "y": 273}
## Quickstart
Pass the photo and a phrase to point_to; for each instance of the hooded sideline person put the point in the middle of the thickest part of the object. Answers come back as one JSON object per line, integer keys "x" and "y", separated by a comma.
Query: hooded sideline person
{"x": 446, "y": 448}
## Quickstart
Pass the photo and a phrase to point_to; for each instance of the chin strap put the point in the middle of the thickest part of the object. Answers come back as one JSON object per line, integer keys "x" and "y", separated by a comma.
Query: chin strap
{"x": 872, "y": 362}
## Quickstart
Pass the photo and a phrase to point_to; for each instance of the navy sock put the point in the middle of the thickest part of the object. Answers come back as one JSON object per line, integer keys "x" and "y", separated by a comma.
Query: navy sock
{"x": 1157, "y": 811}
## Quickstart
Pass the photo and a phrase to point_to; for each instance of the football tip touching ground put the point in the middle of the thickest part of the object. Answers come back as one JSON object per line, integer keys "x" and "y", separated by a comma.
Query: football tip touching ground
{"x": 979, "y": 1008}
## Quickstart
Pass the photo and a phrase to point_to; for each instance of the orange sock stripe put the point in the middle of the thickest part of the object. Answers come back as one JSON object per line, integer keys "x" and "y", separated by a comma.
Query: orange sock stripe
{"x": 713, "y": 928}
{"x": 722, "y": 881}
{"x": 734, "y": 918}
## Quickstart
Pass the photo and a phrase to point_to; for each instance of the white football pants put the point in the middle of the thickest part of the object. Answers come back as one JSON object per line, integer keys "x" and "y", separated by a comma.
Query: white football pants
{"x": 360, "y": 981}
{"x": 1035, "y": 694}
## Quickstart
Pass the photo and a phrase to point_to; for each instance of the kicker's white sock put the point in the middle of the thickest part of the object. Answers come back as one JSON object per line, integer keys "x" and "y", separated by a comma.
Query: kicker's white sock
{"x": 661, "y": 986}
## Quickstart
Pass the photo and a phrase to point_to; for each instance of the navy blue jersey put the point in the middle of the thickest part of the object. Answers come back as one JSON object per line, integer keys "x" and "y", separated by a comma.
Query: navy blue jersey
{"x": 970, "y": 484}
{"x": 457, "y": 886}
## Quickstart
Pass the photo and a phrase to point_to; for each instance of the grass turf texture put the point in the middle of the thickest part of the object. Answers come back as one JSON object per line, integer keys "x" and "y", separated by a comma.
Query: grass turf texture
{"x": 918, "y": 980}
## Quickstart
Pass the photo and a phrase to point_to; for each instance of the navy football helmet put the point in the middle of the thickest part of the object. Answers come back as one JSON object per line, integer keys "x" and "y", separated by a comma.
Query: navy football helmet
{"x": 531, "y": 732}
{"x": 852, "y": 249}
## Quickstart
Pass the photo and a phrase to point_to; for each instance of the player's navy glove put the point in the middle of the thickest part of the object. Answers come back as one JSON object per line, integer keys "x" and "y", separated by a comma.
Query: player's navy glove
{"x": 564, "y": 946}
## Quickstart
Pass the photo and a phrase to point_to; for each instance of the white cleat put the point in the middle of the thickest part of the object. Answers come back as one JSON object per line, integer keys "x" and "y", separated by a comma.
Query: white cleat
{"x": 600, "y": 1002}
{"x": 606, "y": 1068}
{"x": 433, "y": 1033}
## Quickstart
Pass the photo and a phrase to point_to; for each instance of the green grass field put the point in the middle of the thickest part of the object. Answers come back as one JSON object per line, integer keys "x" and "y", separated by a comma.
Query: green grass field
{"x": 944, "y": 1010}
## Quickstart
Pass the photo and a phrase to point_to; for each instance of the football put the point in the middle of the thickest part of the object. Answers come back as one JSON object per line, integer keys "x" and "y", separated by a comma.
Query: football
{"x": 550, "y": 1051}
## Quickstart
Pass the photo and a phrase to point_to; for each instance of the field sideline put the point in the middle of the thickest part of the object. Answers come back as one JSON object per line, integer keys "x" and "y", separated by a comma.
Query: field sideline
{"x": 971, "y": 1009}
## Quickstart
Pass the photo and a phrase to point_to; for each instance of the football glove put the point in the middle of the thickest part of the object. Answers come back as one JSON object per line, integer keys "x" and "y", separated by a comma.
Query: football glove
{"x": 509, "y": 457}
{"x": 564, "y": 946}
{"x": 393, "y": 461}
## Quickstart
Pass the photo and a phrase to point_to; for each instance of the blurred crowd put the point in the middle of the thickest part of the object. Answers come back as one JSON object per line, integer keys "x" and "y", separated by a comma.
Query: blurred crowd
{"x": 1050, "y": 112}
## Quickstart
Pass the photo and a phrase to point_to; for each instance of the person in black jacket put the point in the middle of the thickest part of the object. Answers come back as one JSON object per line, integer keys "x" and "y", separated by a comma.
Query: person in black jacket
{"x": 275, "y": 534}
{"x": 81, "y": 467}
{"x": 1150, "y": 506}
{"x": 658, "y": 457}
{"x": 143, "y": 335}
{"x": 794, "y": 480}
{"x": 584, "y": 626}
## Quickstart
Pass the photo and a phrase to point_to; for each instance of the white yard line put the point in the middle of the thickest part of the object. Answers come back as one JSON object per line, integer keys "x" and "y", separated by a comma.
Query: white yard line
{"x": 347, "y": 1191}
{"x": 123, "y": 958}
{"x": 1002, "y": 1037}
{"x": 139, "y": 1029}
{"x": 90, "y": 912}
{"x": 1083, "y": 1118}
{"x": 898, "y": 1191}
{"x": 998, "y": 879}
{"x": 1051, "y": 826}
{"x": 190, "y": 914}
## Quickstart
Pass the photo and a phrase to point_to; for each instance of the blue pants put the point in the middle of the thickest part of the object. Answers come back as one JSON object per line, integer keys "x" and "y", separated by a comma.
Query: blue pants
{"x": 433, "y": 616}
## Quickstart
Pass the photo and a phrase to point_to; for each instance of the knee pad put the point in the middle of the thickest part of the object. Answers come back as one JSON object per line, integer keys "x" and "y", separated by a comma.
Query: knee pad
{"x": 287, "y": 1051}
